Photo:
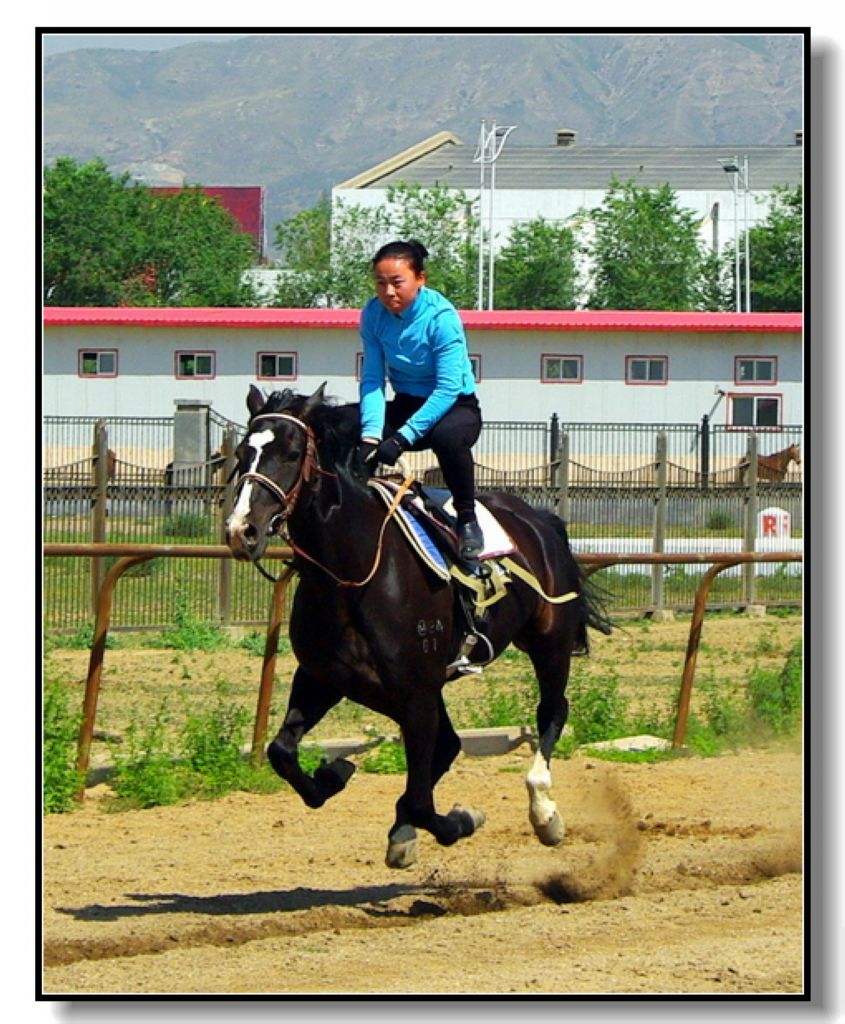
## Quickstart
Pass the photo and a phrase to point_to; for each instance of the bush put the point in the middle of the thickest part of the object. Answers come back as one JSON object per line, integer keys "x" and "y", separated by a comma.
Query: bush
{"x": 776, "y": 697}
{"x": 211, "y": 745}
{"x": 719, "y": 519}
{"x": 61, "y": 780}
{"x": 187, "y": 525}
{"x": 387, "y": 759}
{"x": 145, "y": 774}
{"x": 503, "y": 707}
{"x": 597, "y": 711}
{"x": 82, "y": 639}
{"x": 191, "y": 634}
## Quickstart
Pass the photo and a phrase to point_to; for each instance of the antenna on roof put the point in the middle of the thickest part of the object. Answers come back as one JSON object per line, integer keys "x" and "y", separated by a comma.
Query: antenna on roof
{"x": 490, "y": 145}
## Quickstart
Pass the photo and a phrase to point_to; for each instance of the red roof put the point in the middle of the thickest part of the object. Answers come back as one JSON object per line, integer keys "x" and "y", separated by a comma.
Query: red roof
{"x": 494, "y": 320}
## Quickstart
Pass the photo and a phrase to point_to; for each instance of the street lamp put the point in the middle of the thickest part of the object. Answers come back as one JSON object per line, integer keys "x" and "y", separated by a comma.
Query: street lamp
{"x": 490, "y": 145}
{"x": 740, "y": 178}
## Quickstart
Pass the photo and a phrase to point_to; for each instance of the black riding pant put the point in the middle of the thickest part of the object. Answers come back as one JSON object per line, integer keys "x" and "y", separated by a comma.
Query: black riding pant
{"x": 451, "y": 439}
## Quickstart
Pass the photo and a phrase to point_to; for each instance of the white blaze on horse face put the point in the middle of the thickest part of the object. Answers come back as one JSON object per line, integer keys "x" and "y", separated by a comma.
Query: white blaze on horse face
{"x": 541, "y": 808}
{"x": 256, "y": 441}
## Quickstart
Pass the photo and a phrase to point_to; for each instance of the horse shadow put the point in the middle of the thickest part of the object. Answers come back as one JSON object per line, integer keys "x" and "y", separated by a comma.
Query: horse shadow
{"x": 243, "y": 904}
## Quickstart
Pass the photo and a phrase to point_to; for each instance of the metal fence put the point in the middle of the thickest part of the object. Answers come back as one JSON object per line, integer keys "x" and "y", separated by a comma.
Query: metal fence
{"x": 620, "y": 487}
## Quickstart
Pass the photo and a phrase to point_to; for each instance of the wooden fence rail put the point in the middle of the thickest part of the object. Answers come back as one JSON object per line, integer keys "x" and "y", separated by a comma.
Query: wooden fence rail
{"x": 129, "y": 555}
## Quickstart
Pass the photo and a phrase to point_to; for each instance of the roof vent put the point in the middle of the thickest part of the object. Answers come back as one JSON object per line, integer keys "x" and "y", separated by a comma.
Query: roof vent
{"x": 799, "y": 137}
{"x": 565, "y": 136}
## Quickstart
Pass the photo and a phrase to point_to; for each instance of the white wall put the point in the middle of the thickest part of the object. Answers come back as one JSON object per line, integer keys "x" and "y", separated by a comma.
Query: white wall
{"x": 516, "y": 204}
{"x": 510, "y": 387}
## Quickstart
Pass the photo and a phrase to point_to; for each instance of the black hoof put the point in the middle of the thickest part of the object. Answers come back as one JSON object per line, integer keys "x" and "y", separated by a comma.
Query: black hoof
{"x": 468, "y": 819}
{"x": 331, "y": 776}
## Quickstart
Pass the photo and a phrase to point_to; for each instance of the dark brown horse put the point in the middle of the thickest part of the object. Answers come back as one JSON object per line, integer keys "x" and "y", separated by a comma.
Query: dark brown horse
{"x": 772, "y": 467}
{"x": 371, "y": 623}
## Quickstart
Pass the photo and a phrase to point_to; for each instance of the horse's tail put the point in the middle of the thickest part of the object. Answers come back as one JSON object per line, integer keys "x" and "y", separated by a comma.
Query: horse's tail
{"x": 590, "y": 601}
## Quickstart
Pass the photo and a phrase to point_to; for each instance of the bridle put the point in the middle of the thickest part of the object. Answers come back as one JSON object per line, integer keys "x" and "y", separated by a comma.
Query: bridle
{"x": 310, "y": 465}
{"x": 307, "y": 467}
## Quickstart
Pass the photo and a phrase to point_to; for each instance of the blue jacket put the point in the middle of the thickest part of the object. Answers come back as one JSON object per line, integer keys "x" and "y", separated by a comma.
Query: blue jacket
{"x": 422, "y": 352}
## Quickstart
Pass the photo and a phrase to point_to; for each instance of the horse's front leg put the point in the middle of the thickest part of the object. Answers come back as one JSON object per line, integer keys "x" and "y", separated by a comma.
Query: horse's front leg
{"x": 431, "y": 745}
{"x": 309, "y": 702}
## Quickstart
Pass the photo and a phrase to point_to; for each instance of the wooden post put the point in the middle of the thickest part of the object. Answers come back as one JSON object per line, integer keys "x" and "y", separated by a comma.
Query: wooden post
{"x": 563, "y": 477}
{"x": 660, "y": 510}
{"x": 100, "y": 472}
{"x": 224, "y": 592}
{"x": 749, "y": 576}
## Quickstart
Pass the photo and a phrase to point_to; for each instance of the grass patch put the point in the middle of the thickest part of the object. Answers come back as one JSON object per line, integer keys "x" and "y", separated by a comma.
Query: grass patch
{"x": 190, "y": 633}
{"x": 387, "y": 759}
{"x": 60, "y": 779}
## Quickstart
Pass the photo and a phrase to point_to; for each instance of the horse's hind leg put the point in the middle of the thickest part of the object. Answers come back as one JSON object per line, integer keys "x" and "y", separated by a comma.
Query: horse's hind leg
{"x": 416, "y": 805}
{"x": 551, "y": 661}
{"x": 309, "y": 702}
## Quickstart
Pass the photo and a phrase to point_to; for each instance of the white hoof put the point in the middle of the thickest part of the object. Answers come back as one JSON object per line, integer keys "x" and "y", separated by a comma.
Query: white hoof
{"x": 550, "y": 833}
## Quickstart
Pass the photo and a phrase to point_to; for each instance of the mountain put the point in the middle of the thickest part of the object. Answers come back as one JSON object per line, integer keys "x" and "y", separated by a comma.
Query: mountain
{"x": 298, "y": 113}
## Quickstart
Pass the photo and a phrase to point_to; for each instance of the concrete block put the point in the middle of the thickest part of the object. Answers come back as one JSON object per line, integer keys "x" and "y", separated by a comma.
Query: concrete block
{"x": 492, "y": 741}
{"x": 634, "y": 744}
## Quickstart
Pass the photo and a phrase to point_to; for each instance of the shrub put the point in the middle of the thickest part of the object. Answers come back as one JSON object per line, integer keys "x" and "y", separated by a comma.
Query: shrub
{"x": 500, "y": 706}
{"x": 60, "y": 730}
{"x": 145, "y": 774}
{"x": 719, "y": 519}
{"x": 255, "y": 643}
{"x": 387, "y": 759}
{"x": 211, "y": 745}
{"x": 776, "y": 697}
{"x": 82, "y": 639}
{"x": 597, "y": 710}
{"x": 187, "y": 525}
{"x": 191, "y": 634}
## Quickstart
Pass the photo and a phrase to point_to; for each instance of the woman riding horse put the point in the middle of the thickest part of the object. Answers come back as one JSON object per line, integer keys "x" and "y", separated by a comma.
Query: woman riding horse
{"x": 372, "y": 623}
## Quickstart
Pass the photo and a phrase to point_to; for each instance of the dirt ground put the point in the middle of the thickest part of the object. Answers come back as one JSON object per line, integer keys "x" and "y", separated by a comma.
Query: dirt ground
{"x": 679, "y": 877}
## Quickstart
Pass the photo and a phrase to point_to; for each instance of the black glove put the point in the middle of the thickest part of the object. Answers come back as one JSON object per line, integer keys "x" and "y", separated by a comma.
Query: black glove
{"x": 389, "y": 451}
{"x": 366, "y": 450}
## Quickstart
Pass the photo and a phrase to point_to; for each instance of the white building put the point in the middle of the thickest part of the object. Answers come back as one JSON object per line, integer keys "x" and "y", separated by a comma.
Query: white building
{"x": 584, "y": 366}
{"x": 559, "y": 181}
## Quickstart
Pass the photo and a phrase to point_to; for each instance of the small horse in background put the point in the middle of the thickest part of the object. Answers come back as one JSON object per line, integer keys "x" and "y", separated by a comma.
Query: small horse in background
{"x": 771, "y": 467}
{"x": 371, "y": 623}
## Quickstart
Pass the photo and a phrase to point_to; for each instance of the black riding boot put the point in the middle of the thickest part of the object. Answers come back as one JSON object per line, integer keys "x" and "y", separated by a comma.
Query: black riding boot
{"x": 470, "y": 538}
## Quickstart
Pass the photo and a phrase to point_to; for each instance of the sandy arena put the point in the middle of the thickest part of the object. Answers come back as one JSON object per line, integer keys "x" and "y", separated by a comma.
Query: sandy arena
{"x": 680, "y": 877}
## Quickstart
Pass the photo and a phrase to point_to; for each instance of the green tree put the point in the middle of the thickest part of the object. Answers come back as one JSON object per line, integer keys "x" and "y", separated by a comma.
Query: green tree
{"x": 327, "y": 251}
{"x": 92, "y": 242}
{"x": 777, "y": 273}
{"x": 536, "y": 269}
{"x": 195, "y": 254}
{"x": 108, "y": 242}
{"x": 304, "y": 245}
{"x": 443, "y": 220}
{"x": 645, "y": 250}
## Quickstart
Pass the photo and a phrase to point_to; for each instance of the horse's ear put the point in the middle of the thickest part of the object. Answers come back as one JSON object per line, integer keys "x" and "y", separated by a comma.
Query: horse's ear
{"x": 255, "y": 400}
{"x": 316, "y": 399}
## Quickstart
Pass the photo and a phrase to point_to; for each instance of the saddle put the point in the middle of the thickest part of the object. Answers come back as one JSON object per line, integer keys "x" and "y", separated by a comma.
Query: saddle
{"x": 426, "y": 518}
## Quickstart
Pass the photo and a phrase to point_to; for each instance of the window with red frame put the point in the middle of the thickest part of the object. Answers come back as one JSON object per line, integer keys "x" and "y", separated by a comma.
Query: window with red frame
{"x": 755, "y": 370}
{"x": 646, "y": 369}
{"x": 98, "y": 362}
{"x": 755, "y": 411}
{"x": 195, "y": 365}
{"x": 562, "y": 369}
{"x": 276, "y": 366}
